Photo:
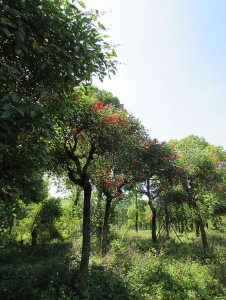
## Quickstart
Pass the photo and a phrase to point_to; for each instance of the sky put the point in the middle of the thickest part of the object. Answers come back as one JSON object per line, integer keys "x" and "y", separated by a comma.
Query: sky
{"x": 172, "y": 71}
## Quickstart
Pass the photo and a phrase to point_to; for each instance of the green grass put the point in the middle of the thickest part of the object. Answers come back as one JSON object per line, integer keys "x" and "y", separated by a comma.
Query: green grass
{"x": 134, "y": 268}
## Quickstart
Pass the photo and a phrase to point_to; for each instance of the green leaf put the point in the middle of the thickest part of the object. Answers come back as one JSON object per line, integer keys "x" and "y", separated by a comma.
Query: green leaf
{"x": 34, "y": 44}
{"x": 5, "y": 127}
{"x": 6, "y": 114}
{"x": 4, "y": 240}
{"x": 43, "y": 66}
{"x": 20, "y": 111}
{"x": 33, "y": 114}
{"x": 3, "y": 77}
{"x": 6, "y": 31}
{"x": 82, "y": 4}
{"x": 7, "y": 106}
{"x": 19, "y": 34}
{"x": 101, "y": 26}
{"x": 15, "y": 97}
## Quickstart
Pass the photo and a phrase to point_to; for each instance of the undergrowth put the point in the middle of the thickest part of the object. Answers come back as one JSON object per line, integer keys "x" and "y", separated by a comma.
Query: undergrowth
{"x": 134, "y": 268}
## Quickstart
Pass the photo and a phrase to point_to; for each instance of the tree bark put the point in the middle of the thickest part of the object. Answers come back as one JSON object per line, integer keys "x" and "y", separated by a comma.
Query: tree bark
{"x": 105, "y": 225}
{"x": 86, "y": 228}
{"x": 34, "y": 235}
{"x": 136, "y": 216}
{"x": 167, "y": 223}
{"x": 196, "y": 226}
{"x": 199, "y": 221}
{"x": 11, "y": 225}
{"x": 153, "y": 222}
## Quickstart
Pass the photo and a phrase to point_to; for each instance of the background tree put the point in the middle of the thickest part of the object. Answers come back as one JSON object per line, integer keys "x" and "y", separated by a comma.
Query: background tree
{"x": 199, "y": 175}
{"x": 155, "y": 171}
{"x": 50, "y": 210}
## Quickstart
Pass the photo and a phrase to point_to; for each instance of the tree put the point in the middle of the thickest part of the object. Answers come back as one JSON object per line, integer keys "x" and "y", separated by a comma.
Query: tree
{"x": 26, "y": 187}
{"x": 50, "y": 210}
{"x": 47, "y": 48}
{"x": 156, "y": 169}
{"x": 199, "y": 175}
{"x": 89, "y": 132}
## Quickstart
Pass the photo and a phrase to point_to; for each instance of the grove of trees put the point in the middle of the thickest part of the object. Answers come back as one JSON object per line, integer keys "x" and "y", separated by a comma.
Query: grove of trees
{"x": 55, "y": 124}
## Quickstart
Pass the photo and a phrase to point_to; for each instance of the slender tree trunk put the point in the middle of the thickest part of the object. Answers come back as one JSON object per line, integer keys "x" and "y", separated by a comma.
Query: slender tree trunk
{"x": 167, "y": 223}
{"x": 153, "y": 222}
{"x": 154, "y": 226}
{"x": 105, "y": 226}
{"x": 137, "y": 215}
{"x": 196, "y": 226}
{"x": 86, "y": 228}
{"x": 199, "y": 221}
{"x": 34, "y": 235}
{"x": 11, "y": 225}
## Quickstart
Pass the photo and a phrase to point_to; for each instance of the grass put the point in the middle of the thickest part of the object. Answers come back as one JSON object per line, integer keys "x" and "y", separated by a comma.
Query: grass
{"x": 134, "y": 268}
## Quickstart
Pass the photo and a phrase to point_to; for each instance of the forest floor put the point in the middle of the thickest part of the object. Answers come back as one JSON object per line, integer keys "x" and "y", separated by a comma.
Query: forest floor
{"x": 134, "y": 268}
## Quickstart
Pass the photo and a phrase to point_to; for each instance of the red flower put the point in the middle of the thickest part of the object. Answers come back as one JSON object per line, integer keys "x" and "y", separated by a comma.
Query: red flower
{"x": 107, "y": 171}
{"x": 142, "y": 175}
{"x": 110, "y": 119}
{"x": 218, "y": 163}
{"x": 172, "y": 147}
{"x": 98, "y": 105}
{"x": 163, "y": 143}
{"x": 217, "y": 190}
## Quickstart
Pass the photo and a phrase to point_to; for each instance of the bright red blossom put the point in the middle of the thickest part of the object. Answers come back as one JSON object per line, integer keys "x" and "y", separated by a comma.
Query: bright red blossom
{"x": 98, "y": 105}
{"x": 218, "y": 163}
{"x": 110, "y": 119}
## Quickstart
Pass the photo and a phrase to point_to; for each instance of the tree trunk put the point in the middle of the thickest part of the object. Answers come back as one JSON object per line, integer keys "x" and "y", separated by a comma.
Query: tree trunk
{"x": 200, "y": 224}
{"x": 196, "y": 226}
{"x": 153, "y": 222}
{"x": 105, "y": 226}
{"x": 167, "y": 223}
{"x": 153, "y": 226}
{"x": 86, "y": 228}
{"x": 167, "y": 228}
{"x": 136, "y": 216}
{"x": 11, "y": 225}
{"x": 34, "y": 235}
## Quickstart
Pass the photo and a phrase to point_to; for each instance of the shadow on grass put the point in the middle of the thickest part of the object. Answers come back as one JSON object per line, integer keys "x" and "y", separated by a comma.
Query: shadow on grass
{"x": 52, "y": 272}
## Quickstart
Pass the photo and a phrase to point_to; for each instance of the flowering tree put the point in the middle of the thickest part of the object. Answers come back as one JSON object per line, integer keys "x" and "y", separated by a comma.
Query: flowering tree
{"x": 122, "y": 171}
{"x": 88, "y": 132}
{"x": 156, "y": 168}
{"x": 199, "y": 176}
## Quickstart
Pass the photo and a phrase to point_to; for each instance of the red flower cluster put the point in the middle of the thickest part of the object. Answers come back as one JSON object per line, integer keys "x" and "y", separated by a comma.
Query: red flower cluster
{"x": 110, "y": 119}
{"x": 107, "y": 171}
{"x": 163, "y": 143}
{"x": 142, "y": 175}
{"x": 98, "y": 105}
{"x": 218, "y": 163}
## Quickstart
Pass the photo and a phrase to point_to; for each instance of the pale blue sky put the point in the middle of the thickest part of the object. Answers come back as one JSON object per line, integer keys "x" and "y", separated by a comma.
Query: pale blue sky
{"x": 174, "y": 79}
